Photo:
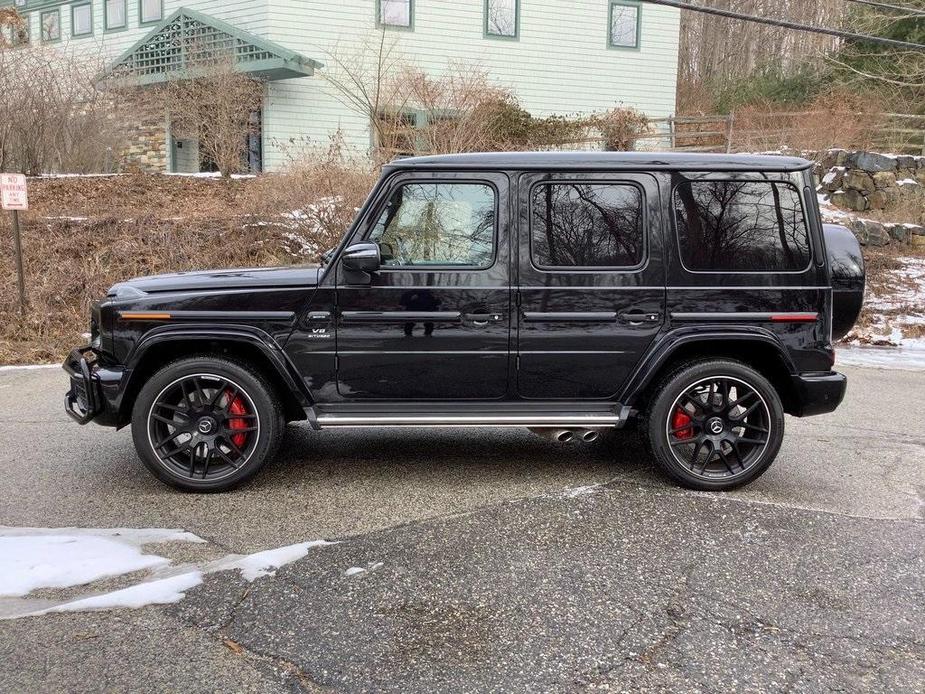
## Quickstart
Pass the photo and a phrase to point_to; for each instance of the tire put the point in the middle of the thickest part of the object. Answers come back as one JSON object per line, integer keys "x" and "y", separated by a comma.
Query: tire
{"x": 206, "y": 423}
{"x": 714, "y": 425}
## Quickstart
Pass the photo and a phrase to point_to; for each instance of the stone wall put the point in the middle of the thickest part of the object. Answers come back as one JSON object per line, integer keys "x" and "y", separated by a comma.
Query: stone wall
{"x": 892, "y": 186}
{"x": 147, "y": 149}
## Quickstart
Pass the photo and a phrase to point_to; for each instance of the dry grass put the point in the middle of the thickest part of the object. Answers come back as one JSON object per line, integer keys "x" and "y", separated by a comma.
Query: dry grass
{"x": 82, "y": 235}
{"x": 835, "y": 119}
{"x": 317, "y": 196}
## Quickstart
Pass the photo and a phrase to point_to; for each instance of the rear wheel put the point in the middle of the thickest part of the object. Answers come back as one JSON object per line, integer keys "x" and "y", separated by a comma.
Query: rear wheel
{"x": 715, "y": 425}
{"x": 206, "y": 424}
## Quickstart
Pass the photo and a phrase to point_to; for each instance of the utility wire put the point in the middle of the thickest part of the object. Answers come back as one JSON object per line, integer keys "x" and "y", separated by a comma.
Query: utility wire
{"x": 915, "y": 11}
{"x": 680, "y": 4}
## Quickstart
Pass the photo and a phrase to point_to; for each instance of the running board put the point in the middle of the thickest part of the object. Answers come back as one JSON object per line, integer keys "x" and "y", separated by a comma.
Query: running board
{"x": 565, "y": 420}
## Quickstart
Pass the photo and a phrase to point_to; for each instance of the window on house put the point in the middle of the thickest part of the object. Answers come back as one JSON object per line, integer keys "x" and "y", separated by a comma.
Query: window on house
{"x": 587, "y": 225}
{"x": 438, "y": 224}
{"x": 20, "y": 3}
{"x": 81, "y": 20}
{"x": 51, "y": 25}
{"x": 396, "y": 13}
{"x": 115, "y": 14}
{"x": 151, "y": 11}
{"x": 744, "y": 226}
{"x": 395, "y": 133}
{"x": 624, "y": 24}
{"x": 501, "y": 17}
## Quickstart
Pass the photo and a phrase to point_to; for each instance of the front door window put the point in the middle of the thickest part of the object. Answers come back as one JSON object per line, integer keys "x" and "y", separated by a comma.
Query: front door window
{"x": 438, "y": 224}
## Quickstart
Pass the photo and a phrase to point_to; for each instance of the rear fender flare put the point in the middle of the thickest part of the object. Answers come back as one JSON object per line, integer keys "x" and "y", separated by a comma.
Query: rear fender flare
{"x": 671, "y": 343}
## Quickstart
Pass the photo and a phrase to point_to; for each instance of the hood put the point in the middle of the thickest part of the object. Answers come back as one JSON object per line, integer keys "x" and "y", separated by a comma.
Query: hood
{"x": 216, "y": 280}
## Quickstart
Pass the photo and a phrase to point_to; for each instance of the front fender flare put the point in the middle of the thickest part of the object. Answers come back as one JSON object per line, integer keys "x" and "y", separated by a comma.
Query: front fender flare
{"x": 251, "y": 336}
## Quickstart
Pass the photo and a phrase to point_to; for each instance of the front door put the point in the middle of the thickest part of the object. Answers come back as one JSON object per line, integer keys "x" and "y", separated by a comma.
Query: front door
{"x": 592, "y": 283}
{"x": 434, "y": 323}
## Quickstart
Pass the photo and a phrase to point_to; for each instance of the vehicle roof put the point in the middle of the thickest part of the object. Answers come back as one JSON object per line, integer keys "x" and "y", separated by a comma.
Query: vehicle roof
{"x": 604, "y": 161}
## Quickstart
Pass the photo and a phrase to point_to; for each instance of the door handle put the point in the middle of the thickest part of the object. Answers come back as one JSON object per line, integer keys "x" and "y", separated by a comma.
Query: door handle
{"x": 640, "y": 317}
{"x": 480, "y": 320}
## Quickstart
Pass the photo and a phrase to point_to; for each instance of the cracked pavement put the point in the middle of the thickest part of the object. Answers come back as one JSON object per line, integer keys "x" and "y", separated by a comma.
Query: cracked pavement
{"x": 483, "y": 573}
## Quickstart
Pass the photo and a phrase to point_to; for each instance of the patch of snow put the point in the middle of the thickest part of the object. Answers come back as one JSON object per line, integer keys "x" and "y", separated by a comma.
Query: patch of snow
{"x": 207, "y": 174}
{"x": 575, "y": 492}
{"x": 266, "y": 563}
{"x": 910, "y": 356}
{"x": 61, "y": 561}
{"x": 29, "y": 367}
{"x": 132, "y": 536}
{"x": 70, "y": 219}
{"x": 356, "y": 570}
{"x": 74, "y": 175}
{"x": 907, "y": 182}
{"x": 33, "y": 558}
{"x": 160, "y": 592}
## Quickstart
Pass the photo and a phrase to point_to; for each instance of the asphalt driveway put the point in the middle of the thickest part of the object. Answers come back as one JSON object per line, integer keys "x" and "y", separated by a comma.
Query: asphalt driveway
{"x": 495, "y": 561}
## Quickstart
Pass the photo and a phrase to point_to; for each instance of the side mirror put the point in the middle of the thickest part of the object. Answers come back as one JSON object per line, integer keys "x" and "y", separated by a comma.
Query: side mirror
{"x": 362, "y": 257}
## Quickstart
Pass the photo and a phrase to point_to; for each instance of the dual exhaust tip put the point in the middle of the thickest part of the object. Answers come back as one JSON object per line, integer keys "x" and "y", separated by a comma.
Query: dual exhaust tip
{"x": 569, "y": 435}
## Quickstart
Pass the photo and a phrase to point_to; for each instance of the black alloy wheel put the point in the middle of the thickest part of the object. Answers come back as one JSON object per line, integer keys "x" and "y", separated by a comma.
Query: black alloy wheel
{"x": 716, "y": 425}
{"x": 203, "y": 426}
{"x": 206, "y": 424}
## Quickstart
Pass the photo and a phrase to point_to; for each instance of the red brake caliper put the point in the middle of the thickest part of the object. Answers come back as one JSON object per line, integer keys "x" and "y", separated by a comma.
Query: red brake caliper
{"x": 682, "y": 419}
{"x": 237, "y": 407}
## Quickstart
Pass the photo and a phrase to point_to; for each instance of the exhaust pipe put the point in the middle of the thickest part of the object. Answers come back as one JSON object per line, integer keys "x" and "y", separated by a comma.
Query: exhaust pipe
{"x": 588, "y": 435}
{"x": 557, "y": 435}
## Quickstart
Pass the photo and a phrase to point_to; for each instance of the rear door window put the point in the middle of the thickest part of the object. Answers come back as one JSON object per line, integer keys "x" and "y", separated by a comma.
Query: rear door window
{"x": 741, "y": 226}
{"x": 587, "y": 225}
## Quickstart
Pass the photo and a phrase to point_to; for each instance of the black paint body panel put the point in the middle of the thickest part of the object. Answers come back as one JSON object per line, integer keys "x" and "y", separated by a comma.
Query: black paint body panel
{"x": 507, "y": 334}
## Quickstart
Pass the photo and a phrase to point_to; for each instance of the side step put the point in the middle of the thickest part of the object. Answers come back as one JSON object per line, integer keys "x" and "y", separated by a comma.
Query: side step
{"x": 572, "y": 420}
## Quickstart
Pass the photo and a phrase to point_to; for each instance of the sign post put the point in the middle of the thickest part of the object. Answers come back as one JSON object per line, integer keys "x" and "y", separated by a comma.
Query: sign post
{"x": 14, "y": 197}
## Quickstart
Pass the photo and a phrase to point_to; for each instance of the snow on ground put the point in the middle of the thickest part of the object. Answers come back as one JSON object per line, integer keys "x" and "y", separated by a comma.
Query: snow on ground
{"x": 910, "y": 357}
{"x": 62, "y": 561}
{"x": 37, "y": 558}
{"x": 29, "y": 367}
{"x": 253, "y": 566}
{"x": 894, "y": 335}
{"x": 159, "y": 592}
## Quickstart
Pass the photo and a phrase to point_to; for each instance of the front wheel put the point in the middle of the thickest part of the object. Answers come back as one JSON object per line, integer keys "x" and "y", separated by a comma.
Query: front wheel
{"x": 206, "y": 423}
{"x": 715, "y": 425}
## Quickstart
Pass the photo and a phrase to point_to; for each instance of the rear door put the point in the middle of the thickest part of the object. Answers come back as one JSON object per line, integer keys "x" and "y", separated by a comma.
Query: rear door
{"x": 591, "y": 289}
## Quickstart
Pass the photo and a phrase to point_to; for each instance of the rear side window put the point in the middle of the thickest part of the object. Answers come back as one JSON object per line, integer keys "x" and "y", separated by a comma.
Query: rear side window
{"x": 587, "y": 225}
{"x": 744, "y": 226}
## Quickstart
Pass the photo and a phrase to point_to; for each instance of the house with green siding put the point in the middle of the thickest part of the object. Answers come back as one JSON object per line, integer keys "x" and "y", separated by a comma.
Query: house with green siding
{"x": 576, "y": 57}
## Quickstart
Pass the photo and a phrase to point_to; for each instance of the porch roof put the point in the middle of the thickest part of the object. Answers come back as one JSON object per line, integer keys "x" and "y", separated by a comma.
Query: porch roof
{"x": 188, "y": 43}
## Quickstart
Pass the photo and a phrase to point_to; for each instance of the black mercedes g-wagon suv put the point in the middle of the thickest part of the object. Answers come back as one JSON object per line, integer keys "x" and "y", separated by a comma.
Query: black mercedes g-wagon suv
{"x": 570, "y": 293}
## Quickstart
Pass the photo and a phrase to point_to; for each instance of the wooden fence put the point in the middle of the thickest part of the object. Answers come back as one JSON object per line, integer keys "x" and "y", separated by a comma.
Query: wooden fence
{"x": 773, "y": 131}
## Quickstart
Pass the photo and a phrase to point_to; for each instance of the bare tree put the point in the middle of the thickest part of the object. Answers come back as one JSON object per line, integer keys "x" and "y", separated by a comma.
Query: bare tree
{"x": 715, "y": 50}
{"x": 53, "y": 116}
{"x": 363, "y": 81}
{"x": 214, "y": 105}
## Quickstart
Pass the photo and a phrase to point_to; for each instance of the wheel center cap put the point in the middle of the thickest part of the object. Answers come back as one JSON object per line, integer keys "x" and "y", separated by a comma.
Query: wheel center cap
{"x": 206, "y": 425}
{"x": 715, "y": 426}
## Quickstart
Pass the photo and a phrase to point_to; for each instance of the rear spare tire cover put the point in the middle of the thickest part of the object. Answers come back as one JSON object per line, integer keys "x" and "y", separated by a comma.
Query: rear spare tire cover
{"x": 846, "y": 264}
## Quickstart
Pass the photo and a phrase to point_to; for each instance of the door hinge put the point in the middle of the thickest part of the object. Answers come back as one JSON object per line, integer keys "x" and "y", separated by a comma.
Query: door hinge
{"x": 517, "y": 363}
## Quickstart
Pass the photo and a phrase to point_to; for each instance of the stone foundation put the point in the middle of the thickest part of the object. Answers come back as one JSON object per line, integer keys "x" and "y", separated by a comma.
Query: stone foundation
{"x": 893, "y": 185}
{"x": 147, "y": 150}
